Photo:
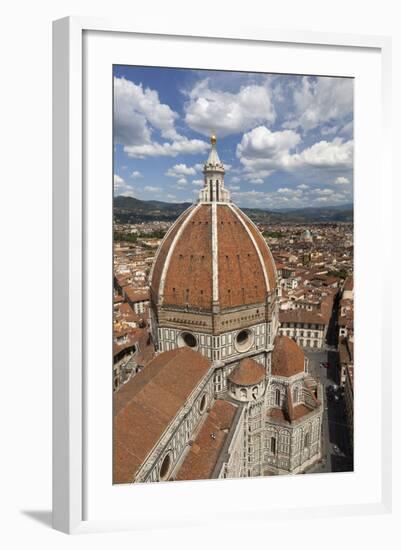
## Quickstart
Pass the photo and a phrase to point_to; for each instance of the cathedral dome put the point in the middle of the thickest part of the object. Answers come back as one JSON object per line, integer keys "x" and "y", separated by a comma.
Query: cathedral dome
{"x": 287, "y": 358}
{"x": 247, "y": 373}
{"x": 213, "y": 255}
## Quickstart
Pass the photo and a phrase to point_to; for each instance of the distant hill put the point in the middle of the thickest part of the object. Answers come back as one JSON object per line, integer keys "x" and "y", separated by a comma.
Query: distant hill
{"x": 131, "y": 210}
{"x": 311, "y": 214}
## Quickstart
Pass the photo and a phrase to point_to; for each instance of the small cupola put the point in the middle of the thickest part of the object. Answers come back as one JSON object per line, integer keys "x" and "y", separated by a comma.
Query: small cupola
{"x": 213, "y": 171}
{"x": 247, "y": 381}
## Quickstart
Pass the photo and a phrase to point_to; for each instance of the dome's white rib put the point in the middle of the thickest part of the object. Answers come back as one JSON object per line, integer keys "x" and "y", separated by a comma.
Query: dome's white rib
{"x": 215, "y": 262}
{"x": 170, "y": 252}
{"x": 165, "y": 238}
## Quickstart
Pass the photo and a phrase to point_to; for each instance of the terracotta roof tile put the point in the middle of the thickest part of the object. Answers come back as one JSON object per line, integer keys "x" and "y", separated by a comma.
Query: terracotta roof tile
{"x": 271, "y": 267}
{"x": 315, "y": 317}
{"x": 135, "y": 295}
{"x": 284, "y": 416}
{"x": 247, "y": 373}
{"x": 189, "y": 276}
{"x": 287, "y": 357}
{"x": 240, "y": 274}
{"x": 145, "y": 406}
{"x": 349, "y": 283}
{"x": 205, "y": 450}
{"x": 163, "y": 250}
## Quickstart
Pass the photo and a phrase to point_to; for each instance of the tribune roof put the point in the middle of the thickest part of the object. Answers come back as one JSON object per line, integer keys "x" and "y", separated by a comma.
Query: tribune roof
{"x": 287, "y": 357}
{"x": 247, "y": 373}
{"x": 146, "y": 405}
{"x": 204, "y": 453}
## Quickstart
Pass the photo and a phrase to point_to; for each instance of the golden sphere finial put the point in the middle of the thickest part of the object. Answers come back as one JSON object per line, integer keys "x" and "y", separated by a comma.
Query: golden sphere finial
{"x": 213, "y": 138}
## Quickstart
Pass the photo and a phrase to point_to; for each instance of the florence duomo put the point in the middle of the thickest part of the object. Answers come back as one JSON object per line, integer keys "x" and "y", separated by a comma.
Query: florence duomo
{"x": 225, "y": 395}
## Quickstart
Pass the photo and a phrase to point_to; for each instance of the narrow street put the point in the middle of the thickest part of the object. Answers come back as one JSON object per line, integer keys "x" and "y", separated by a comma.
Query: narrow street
{"x": 336, "y": 451}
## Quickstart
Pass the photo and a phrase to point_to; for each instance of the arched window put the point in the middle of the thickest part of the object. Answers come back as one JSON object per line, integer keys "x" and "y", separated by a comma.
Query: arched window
{"x": 202, "y": 404}
{"x": 255, "y": 392}
{"x": 295, "y": 395}
{"x": 273, "y": 445}
{"x": 306, "y": 440}
{"x": 243, "y": 393}
{"x": 277, "y": 397}
{"x": 165, "y": 467}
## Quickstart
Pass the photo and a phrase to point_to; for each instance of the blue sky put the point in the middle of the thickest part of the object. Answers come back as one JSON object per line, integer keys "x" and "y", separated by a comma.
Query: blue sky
{"x": 286, "y": 140}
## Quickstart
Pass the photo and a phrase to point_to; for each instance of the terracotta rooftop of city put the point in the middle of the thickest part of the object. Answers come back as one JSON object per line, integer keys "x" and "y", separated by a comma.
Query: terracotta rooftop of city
{"x": 287, "y": 358}
{"x": 247, "y": 373}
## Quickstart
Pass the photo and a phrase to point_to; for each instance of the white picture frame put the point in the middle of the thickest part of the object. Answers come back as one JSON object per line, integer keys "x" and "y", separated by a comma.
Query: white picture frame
{"x": 70, "y": 260}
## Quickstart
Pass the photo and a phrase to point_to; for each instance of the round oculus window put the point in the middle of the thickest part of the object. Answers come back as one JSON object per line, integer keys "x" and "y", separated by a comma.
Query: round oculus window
{"x": 244, "y": 340}
{"x": 188, "y": 339}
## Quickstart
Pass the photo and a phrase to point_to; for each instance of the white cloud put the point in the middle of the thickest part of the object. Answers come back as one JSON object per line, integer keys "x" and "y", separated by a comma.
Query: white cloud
{"x": 179, "y": 170}
{"x": 136, "y": 174}
{"x": 151, "y": 189}
{"x": 134, "y": 108}
{"x": 286, "y": 197}
{"x": 341, "y": 180}
{"x": 252, "y": 197}
{"x": 337, "y": 153}
{"x": 303, "y": 186}
{"x": 262, "y": 143}
{"x": 178, "y": 147}
{"x": 262, "y": 149}
{"x": 292, "y": 193}
{"x": 181, "y": 183}
{"x": 121, "y": 187}
{"x": 328, "y": 130}
{"x": 252, "y": 175}
{"x": 320, "y": 100}
{"x": 137, "y": 113}
{"x": 322, "y": 192}
{"x": 226, "y": 112}
{"x": 198, "y": 182}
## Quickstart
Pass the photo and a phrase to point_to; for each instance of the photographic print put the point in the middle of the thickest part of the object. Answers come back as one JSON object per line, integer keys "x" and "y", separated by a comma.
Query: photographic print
{"x": 233, "y": 274}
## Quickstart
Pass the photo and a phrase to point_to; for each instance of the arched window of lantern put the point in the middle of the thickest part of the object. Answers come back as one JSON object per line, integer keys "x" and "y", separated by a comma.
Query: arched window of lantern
{"x": 295, "y": 394}
{"x": 277, "y": 397}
